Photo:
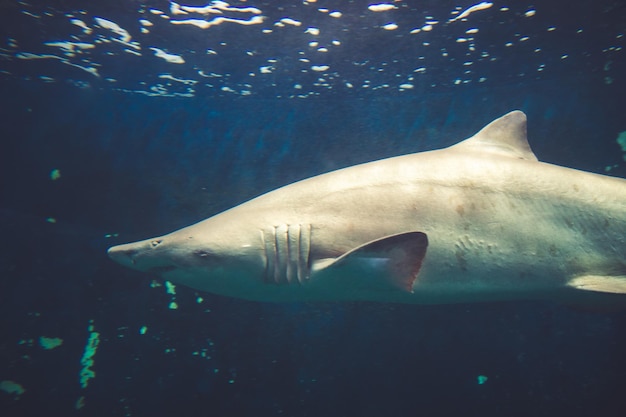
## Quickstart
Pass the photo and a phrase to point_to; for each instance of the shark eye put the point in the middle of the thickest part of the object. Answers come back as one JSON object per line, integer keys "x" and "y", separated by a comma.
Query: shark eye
{"x": 155, "y": 243}
{"x": 202, "y": 254}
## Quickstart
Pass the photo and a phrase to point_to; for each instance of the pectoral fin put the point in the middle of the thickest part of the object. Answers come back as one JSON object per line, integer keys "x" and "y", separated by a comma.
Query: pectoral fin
{"x": 391, "y": 262}
{"x": 615, "y": 284}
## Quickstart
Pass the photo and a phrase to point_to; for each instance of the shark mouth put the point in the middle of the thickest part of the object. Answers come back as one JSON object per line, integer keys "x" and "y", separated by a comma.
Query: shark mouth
{"x": 159, "y": 270}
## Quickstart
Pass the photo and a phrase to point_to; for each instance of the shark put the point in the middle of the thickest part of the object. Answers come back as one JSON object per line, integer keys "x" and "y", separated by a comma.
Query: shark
{"x": 482, "y": 220}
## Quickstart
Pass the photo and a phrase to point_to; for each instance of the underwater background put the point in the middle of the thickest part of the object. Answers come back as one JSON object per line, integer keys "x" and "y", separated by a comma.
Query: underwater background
{"x": 123, "y": 120}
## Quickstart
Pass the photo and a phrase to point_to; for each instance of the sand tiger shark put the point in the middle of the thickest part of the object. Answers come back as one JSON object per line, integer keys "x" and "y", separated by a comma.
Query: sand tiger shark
{"x": 482, "y": 220}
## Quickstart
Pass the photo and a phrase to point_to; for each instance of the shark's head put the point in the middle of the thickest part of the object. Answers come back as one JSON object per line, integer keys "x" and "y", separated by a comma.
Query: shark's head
{"x": 211, "y": 255}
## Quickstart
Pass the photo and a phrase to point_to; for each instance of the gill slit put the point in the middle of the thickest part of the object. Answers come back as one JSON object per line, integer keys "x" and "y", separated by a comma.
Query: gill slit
{"x": 287, "y": 253}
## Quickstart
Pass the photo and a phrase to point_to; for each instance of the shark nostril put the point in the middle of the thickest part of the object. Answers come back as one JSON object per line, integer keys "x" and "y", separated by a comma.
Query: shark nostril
{"x": 156, "y": 243}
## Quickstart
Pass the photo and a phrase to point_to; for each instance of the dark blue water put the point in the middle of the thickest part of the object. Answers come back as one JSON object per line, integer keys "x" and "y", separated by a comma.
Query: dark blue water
{"x": 134, "y": 165}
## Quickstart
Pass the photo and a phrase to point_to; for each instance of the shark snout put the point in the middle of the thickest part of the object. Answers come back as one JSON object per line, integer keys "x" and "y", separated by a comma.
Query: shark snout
{"x": 124, "y": 254}
{"x": 140, "y": 256}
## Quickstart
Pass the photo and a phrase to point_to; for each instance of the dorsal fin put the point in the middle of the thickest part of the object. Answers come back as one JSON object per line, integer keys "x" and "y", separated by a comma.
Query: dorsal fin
{"x": 504, "y": 136}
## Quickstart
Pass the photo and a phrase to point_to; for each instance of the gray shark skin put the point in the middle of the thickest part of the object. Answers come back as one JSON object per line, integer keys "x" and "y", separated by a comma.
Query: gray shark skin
{"x": 482, "y": 220}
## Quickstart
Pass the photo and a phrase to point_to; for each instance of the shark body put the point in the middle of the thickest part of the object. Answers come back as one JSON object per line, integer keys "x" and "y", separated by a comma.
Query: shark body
{"x": 482, "y": 220}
